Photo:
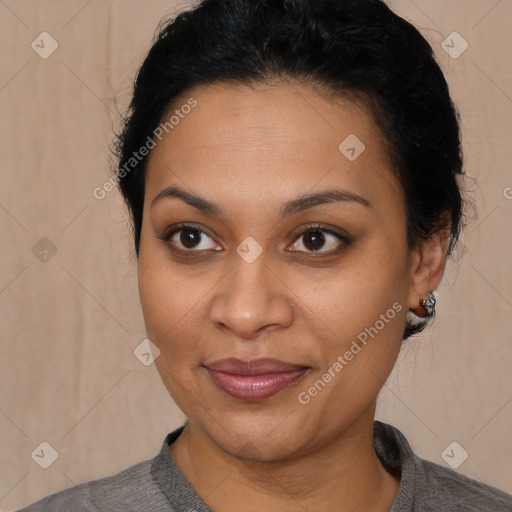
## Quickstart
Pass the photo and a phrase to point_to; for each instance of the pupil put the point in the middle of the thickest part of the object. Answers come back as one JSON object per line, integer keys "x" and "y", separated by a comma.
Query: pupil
{"x": 190, "y": 237}
{"x": 314, "y": 240}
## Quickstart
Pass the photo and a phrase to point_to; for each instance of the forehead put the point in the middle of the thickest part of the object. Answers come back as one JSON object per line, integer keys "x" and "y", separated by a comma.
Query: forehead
{"x": 269, "y": 142}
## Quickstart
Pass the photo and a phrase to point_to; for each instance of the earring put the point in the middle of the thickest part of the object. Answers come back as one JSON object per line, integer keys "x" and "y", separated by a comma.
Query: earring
{"x": 430, "y": 303}
{"x": 425, "y": 310}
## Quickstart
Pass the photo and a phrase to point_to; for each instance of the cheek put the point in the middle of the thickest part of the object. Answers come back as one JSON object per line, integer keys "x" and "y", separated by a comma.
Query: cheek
{"x": 169, "y": 302}
{"x": 359, "y": 311}
{"x": 171, "y": 307}
{"x": 360, "y": 323}
{"x": 359, "y": 348}
{"x": 346, "y": 299}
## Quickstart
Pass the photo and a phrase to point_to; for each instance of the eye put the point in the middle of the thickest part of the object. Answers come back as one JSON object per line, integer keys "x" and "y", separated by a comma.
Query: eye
{"x": 189, "y": 238}
{"x": 318, "y": 239}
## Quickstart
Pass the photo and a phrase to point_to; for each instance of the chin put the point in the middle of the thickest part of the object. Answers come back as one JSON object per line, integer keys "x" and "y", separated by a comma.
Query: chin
{"x": 253, "y": 437}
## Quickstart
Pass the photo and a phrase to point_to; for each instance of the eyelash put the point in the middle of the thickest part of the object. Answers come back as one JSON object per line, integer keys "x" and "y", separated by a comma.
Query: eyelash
{"x": 173, "y": 230}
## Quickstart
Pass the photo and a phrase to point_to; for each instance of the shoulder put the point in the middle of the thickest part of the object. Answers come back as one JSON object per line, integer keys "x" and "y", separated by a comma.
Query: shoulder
{"x": 131, "y": 489}
{"x": 426, "y": 486}
{"x": 149, "y": 486}
{"x": 454, "y": 491}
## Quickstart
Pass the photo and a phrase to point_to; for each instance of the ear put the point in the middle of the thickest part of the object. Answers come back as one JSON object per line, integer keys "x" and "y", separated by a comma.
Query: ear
{"x": 427, "y": 264}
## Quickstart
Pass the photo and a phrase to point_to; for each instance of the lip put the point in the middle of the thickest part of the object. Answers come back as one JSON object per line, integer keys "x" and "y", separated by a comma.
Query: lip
{"x": 257, "y": 379}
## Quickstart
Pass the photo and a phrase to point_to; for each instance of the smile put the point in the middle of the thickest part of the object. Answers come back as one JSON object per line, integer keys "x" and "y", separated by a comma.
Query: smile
{"x": 254, "y": 380}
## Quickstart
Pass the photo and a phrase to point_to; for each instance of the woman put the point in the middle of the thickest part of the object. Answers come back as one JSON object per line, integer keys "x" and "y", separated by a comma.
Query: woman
{"x": 291, "y": 168}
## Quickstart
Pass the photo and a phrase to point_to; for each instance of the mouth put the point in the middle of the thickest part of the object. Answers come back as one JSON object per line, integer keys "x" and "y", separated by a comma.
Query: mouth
{"x": 254, "y": 380}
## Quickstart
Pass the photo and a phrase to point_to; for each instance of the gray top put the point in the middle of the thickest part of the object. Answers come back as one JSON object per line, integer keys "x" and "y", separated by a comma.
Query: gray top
{"x": 157, "y": 485}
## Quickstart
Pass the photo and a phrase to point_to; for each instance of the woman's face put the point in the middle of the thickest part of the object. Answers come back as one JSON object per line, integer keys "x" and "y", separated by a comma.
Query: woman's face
{"x": 244, "y": 168}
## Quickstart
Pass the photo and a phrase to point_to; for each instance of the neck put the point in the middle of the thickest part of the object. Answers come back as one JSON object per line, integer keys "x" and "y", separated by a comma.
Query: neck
{"x": 344, "y": 475}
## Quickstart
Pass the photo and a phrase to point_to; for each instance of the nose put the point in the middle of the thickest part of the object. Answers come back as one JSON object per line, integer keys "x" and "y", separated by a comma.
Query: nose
{"x": 251, "y": 300}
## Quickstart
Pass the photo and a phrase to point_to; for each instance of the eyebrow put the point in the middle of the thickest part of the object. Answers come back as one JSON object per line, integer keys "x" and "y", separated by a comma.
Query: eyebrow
{"x": 291, "y": 207}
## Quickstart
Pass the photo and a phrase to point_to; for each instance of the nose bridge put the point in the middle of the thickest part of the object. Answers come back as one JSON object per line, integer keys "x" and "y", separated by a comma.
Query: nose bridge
{"x": 248, "y": 282}
{"x": 251, "y": 296}
{"x": 249, "y": 263}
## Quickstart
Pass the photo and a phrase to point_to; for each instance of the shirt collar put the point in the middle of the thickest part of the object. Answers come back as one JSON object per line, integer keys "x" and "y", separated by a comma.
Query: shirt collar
{"x": 389, "y": 443}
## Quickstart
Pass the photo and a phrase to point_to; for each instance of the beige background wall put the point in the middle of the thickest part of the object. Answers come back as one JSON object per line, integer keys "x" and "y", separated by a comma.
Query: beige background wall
{"x": 69, "y": 325}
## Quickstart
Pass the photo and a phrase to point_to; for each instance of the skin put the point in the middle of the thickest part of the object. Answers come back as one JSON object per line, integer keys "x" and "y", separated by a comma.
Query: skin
{"x": 249, "y": 150}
